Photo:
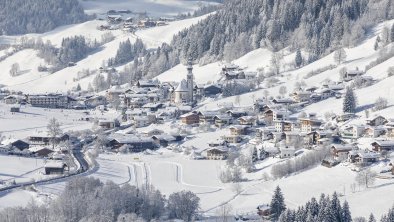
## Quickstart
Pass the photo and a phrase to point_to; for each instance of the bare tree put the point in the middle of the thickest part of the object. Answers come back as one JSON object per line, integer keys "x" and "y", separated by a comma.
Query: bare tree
{"x": 342, "y": 73}
{"x": 340, "y": 56}
{"x": 282, "y": 91}
{"x": 380, "y": 103}
{"x": 183, "y": 205}
{"x": 237, "y": 100}
{"x": 224, "y": 213}
{"x": 15, "y": 68}
{"x": 276, "y": 62}
{"x": 236, "y": 188}
{"x": 54, "y": 130}
{"x": 366, "y": 178}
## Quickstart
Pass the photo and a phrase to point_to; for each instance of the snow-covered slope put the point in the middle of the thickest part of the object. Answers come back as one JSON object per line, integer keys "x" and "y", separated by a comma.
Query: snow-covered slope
{"x": 63, "y": 80}
{"x": 153, "y": 7}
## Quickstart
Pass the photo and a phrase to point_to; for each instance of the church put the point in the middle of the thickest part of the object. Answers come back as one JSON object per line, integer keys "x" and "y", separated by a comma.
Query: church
{"x": 183, "y": 94}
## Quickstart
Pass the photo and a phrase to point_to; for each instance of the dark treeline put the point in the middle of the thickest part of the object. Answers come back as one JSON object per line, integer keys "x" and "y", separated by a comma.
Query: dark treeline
{"x": 32, "y": 16}
{"x": 326, "y": 209}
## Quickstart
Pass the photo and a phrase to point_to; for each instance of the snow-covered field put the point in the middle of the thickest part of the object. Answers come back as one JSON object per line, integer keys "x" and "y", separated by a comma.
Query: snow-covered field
{"x": 33, "y": 121}
{"x": 20, "y": 169}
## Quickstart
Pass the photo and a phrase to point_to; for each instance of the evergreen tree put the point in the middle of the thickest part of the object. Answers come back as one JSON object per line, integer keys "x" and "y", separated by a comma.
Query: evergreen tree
{"x": 125, "y": 53}
{"x": 371, "y": 218}
{"x": 376, "y": 45}
{"x": 346, "y": 216}
{"x": 277, "y": 205}
{"x": 392, "y": 33}
{"x": 350, "y": 101}
{"x": 78, "y": 87}
{"x": 336, "y": 207}
{"x": 255, "y": 156}
{"x": 389, "y": 217}
{"x": 298, "y": 58}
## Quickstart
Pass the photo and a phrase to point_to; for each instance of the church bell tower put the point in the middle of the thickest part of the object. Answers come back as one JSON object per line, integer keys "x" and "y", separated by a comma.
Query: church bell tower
{"x": 190, "y": 83}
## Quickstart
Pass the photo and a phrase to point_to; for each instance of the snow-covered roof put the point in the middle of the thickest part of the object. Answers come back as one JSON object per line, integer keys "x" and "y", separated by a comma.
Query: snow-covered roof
{"x": 54, "y": 164}
{"x": 182, "y": 87}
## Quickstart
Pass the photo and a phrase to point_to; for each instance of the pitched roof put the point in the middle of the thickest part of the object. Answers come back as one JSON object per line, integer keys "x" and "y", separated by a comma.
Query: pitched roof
{"x": 182, "y": 87}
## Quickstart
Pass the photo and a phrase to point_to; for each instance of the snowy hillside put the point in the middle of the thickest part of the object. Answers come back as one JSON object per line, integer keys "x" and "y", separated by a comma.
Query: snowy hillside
{"x": 63, "y": 80}
{"x": 153, "y": 7}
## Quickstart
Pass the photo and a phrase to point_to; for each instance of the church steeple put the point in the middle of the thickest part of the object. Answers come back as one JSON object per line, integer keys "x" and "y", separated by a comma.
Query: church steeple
{"x": 190, "y": 83}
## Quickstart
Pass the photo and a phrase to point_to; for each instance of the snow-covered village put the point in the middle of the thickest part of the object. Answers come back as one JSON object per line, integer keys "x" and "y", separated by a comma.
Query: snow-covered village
{"x": 186, "y": 110}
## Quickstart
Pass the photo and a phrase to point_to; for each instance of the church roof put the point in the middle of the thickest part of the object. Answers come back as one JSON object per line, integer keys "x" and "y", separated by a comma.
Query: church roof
{"x": 182, "y": 87}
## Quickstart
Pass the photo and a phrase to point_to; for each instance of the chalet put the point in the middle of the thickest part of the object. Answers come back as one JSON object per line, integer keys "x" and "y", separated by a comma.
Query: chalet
{"x": 238, "y": 130}
{"x": 153, "y": 106}
{"x": 379, "y": 146}
{"x": 107, "y": 124}
{"x": 147, "y": 84}
{"x": 207, "y": 117}
{"x": 217, "y": 153}
{"x": 353, "y": 132}
{"x": 363, "y": 158}
{"x": 265, "y": 133}
{"x": 45, "y": 139}
{"x": 153, "y": 132}
{"x": 341, "y": 152}
{"x": 293, "y": 138}
{"x": 272, "y": 115}
{"x": 352, "y": 74}
{"x": 14, "y": 99}
{"x": 135, "y": 143}
{"x": 51, "y": 101}
{"x": 114, "y": 93}
{"x": 311, "y": 89}
{"x": 198, "y": 91}
{"x": 247, "y": 120}
{"x": 264, "y": 211}
{"x": 345, "y": 117}
{"x": 390, "y": 132}
{"x": 377, "y": 121}
{"x": 300, "y": 97}
{"x": 190, "y": 118}
{"x": 218, "y": 143}
{"x": 142, "y": 121}
{"x": 41, "y": 151}
{"x": 237, "y": 113}
{"x": 250, "y": 75}
{"x": 55, "y": 167}
{"x": 287, "y": 152}
{"x": 284, "y": 101}
{"x": 326, "y": 93}
{"x": 212, "y": 90}
{"x": 374, "y": 132}
{"x": 366, "y": 80}
{"x": 164, "y": 140}
{"x": 259, "y": 105}
{"x": 19, "y": 144}
{"x": 310, "y": 124}
{"x": 285, "y": 125}
{"x": 94, "y": 101}
{"x": 318, "y": 137}
{"x": 232, "y": 138}
{"x": 222, "y": 120}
